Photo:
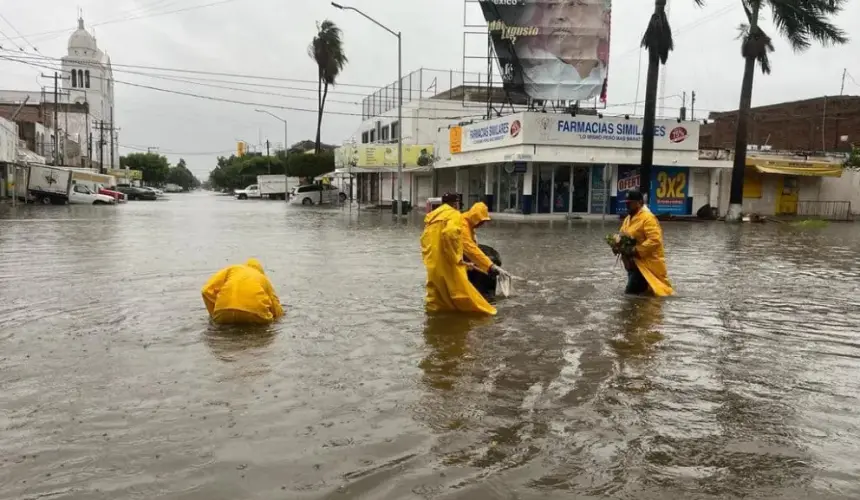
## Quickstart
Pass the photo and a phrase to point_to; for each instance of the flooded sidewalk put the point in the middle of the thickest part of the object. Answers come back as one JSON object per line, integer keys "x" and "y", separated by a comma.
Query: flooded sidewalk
{"x": 115, "y": 385}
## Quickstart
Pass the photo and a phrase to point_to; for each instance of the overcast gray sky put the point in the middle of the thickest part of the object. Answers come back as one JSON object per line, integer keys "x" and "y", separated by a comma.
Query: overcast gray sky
{"x": 270, "y": 38}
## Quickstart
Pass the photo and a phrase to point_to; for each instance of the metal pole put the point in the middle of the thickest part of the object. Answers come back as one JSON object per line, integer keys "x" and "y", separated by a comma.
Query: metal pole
{"x": 399, "y": 127}
{"x": 286, "y": 175}
{"x": 56, "y": 121}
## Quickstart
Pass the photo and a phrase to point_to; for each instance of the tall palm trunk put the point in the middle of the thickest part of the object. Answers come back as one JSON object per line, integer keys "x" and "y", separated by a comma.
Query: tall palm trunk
{"x": 319, "y": 113}
{"x": 647, "y": 158}
{"x": 736, "y": 197}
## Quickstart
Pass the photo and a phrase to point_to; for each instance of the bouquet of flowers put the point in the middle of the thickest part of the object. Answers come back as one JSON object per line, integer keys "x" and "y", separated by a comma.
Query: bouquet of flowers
{"x": 621, "y": 244}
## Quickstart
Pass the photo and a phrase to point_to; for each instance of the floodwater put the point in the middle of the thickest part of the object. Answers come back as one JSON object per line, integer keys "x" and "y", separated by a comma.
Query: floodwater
{"x": 114, "y": 385}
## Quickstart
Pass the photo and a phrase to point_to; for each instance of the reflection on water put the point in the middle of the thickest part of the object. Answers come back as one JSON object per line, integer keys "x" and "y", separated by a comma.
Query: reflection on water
{"x": 115, "y": 385}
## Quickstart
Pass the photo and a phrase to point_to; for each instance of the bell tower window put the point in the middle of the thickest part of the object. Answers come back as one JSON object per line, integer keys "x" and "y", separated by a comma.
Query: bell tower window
{"x": 74, "y": 78}
{"x": 87, "y": 74}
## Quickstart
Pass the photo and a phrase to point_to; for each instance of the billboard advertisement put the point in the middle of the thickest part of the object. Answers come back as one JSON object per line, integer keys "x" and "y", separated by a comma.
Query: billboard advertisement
{"x": 608, "y": 132}
{"x": 551, "y": 49}
{"x": 383, "y": 156}
{"x": 628, "y": 178}
{"x": 669, "y": 190}
{"x": 496, "y": 133}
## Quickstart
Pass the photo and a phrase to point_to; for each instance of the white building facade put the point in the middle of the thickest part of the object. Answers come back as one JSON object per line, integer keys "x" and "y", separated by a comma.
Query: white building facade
{"x": 88, "y": 79}
{"x": 560, "y": 165}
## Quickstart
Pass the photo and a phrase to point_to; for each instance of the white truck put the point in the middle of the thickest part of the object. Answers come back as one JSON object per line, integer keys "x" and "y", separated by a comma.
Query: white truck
{"x": 276, "y": 187}
{"x": 55, "y": 186}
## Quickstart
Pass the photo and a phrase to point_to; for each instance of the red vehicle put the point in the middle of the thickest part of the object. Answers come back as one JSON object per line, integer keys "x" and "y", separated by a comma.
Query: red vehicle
{"x": 119, "y": 197}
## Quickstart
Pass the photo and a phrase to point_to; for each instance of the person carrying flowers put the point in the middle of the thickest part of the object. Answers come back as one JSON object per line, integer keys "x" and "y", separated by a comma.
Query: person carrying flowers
{"x": 640, "y": 245}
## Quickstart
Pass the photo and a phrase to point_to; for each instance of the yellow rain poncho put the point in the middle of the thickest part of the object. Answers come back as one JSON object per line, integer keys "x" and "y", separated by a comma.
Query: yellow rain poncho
{"x": 645, "y": 229}
{"x": 242, "y": 294}
{"x": 448, "y": 288}
{"x": 473, "y": 217}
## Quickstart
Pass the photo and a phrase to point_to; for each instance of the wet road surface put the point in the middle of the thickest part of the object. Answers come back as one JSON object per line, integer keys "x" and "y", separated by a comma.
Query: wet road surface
{"x": 113, "y": 384}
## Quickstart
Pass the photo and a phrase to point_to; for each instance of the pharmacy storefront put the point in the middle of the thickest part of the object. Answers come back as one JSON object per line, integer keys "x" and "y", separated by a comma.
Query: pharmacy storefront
{"x": 538, "y": 163}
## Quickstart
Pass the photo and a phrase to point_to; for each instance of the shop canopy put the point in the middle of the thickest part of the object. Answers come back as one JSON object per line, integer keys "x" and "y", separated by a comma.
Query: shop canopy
{"x": 800, "y": 168}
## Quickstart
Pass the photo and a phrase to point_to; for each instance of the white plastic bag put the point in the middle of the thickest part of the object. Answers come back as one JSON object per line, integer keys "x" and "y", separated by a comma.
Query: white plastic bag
{"x": 503, "y": 285}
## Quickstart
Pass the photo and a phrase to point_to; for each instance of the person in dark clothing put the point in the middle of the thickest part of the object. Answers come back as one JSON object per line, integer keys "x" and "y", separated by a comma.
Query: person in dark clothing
{"x": 486, "y": 283}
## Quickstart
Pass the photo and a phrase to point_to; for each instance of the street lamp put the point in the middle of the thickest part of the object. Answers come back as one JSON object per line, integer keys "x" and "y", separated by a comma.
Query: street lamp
{"x": 286, "y": 149}
{"x": 399, "y": 101}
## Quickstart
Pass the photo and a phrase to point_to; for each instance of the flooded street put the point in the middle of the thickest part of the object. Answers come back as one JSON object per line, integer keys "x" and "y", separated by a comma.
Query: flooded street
{"x": 115, "y": 386}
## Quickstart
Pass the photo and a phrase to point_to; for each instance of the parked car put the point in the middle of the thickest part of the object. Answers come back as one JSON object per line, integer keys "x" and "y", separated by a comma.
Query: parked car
{"x": 158, "y": 193}
{"x": 81, "y": 195}
{"x": 119, "y": 197}
{"x": 313, "y": 194}
{"x": 252, "y": 191}
{"x": 136, "y": 193}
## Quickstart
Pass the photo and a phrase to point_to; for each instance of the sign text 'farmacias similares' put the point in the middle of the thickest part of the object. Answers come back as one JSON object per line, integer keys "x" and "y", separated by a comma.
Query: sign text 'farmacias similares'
{"x": 597, "y": 129}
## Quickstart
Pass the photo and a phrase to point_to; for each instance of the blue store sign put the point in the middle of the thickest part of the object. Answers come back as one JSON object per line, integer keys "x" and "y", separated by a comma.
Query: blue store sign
{"x": 670, "y": 188}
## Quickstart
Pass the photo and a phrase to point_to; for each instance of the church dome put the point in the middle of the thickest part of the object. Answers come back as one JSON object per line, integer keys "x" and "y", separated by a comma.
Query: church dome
{"x": 81, "y": 39}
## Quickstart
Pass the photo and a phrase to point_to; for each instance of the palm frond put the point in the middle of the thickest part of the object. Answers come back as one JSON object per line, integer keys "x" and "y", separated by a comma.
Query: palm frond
{"x": 757, "y": 44}
{"x": 802, "y": 21}
{"x": 658, "y": 36}
{"x": 326, "y": 49}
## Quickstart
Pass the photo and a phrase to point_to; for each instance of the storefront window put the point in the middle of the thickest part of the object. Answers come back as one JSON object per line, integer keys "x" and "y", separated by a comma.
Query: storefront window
{"x": 510, "y": 190}
{"x": 477, "y": 182}
{"x": 544, "y": 189}
{"x": 581, "y": 178}
{"x": 561, "y": 195}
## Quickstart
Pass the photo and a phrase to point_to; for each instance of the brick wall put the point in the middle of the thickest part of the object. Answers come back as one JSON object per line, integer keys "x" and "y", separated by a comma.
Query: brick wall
{"x": 794, "y": 125}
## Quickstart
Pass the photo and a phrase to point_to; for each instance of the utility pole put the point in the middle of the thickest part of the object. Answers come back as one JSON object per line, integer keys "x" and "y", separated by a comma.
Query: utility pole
{"x": 693, "y": 106}
{"x": 56, "y": 119}
{"x": 111, "y": 137}
{"x": 102, "y": 146}
{"x": 268, "y": 158}
{"x": 842, "y": 88}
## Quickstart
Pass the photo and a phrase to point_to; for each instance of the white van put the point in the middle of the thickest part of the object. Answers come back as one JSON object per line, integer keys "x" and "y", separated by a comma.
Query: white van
{"x": 316, "y": 194}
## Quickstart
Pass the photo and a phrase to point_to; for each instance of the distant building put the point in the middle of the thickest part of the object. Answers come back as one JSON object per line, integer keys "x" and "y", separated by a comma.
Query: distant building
{"x": 79, "y": 118}
{"x": 829, "y": 123}
{"x": 794, "y": 156}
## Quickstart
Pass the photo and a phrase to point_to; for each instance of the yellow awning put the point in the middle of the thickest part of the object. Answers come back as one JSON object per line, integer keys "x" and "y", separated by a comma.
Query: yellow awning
{"x": 802, "y": 168}
{"x": 810, "y": 171}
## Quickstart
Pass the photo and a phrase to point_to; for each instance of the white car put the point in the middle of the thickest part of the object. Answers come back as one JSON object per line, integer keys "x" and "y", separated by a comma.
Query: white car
{"x": 316, "y": 194}
{"x": 252, "y": 191}
{"x": 81, "y": 195}
{"x": 158, "y": 193}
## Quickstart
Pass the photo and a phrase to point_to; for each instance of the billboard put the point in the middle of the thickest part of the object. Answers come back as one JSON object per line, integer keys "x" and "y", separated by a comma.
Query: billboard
{"x": 495, "y": 133}
{"x": 383, "y": 156}
{"x": 551, "y": 49}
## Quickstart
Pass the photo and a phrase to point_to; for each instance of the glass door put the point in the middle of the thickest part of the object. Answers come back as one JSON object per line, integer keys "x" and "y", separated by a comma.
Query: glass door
{"x": 544, "y": 189}
{"x": 581, "y": 186}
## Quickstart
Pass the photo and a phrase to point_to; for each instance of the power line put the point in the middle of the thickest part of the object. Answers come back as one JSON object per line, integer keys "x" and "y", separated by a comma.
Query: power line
{"x": 18, "y": 33}
{"x": 181, "y": 153}
{"x": 129, "y": 18}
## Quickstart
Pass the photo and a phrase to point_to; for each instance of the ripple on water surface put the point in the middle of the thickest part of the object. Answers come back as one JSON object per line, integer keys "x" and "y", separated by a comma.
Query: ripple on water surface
{"x": 115, "y": 385}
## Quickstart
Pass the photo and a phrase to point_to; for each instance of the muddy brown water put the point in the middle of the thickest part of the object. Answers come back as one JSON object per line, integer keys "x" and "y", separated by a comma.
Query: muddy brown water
{"x": 113, "y": 384}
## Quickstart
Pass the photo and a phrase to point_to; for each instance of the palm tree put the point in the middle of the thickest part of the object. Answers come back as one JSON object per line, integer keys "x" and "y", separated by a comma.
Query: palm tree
{"x": 327, "y": 50}
{"x": 800, "y": 22}
{"x": 657, "y": 40}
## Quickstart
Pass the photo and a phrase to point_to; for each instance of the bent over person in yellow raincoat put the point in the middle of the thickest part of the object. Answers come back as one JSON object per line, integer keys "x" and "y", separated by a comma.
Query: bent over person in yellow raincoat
{"x": 474, "y": 218}
{"x": 242, "y": 294}
{"x": 649, "y": 269}
{"x": 448, "y": 287}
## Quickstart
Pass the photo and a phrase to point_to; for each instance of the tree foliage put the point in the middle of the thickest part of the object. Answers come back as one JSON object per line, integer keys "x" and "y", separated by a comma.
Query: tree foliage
{"x": 239, "y": 172}
{"x": 181, "y": 176}
{"x": 326, "y": 49}
{"x": 800, "y": 22}
{"x": 154, "y": 168}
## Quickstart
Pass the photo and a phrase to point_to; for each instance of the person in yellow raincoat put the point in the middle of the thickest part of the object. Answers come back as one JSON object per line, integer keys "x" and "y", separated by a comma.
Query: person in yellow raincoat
{"x": 242, "y": 294}
{"x": 648, "y": 271}
{"x": 448, "y": 287}
{"x": 475, "y": 217}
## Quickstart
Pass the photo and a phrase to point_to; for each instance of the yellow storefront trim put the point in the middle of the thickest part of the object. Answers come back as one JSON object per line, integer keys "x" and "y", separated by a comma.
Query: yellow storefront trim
{"x": 783, "y": 167}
